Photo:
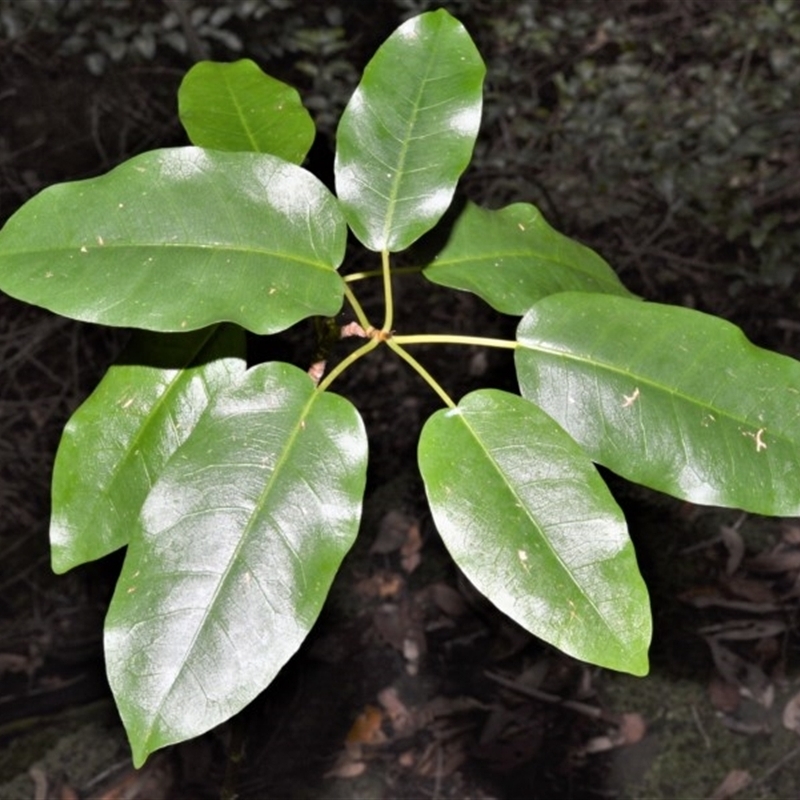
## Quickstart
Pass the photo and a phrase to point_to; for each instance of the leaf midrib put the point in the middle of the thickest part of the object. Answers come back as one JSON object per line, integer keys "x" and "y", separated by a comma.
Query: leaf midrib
{"x": 641, "y": 381}
{"x": 226, "y": 575}
{"x": 538, "y": 527}
{"x": 243, "y": 119}
{"x": 74, "y": 250}
{"x": 399, "y": 175}
{"x": 521, "y": 254}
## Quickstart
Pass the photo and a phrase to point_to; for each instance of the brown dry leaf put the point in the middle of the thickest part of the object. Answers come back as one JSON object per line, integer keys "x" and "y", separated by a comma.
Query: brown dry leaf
{"x": 392, "y": 533}
{"x": 749, "y": 589}
{"x": 407, "y": 759}
{"x": 724, "y": 696}
{"x": 792, "y": 591}
{"x": 791, "y": 714}
{"x": 442, "y": 706}
{"x": 399, "y": 715}
{"x": 632, "y": 728}
{"x": 750, "y": 678}
{"x": 791, "y": 534}
{"x": 743, "y": 630}
{"x": 700, "y": 596}
{"x": 382, "y": 584}
{"x": 447, "y": 599}
{"x": 769, "y": 650}
{"x": 745, "y": 727}
{"x": 400, "y": 627}
{"x": 410, "y": 551}
{"x": 442, "y": 759}
{"x": 390, "y": 625}
{"x": 782, "y": 558}
{"x": 706, "y": 597}
{"x": 346, "y": 768}
{"x": 68, "y": 793}
{"x": 414, "y": 648}
{"x": 734, "y": 544}
{"x": 600, "y": 744}
{"x": 734, "y": 782}
{"x": 367, "y": 728}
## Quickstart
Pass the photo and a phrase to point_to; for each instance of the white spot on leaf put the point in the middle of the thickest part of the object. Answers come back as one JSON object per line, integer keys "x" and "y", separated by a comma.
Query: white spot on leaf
{"x": 631, "y": 399}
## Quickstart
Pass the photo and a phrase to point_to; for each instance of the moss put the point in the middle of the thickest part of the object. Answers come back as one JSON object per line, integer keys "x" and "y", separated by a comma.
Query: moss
{"x": 77, "y": 747}
{"x": 688, "y": 751}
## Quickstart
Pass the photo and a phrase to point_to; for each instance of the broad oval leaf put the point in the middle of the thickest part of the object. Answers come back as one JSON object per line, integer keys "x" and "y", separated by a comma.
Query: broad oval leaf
{"x": 511, "y": 258}
{"x": 179, "y": 239}
{"x": 668, "y": 397}
{"x": 408, "y": 131}
{"x": 528, "y": 519}
{"x": 117, "y": 443}
{"x": 240, "y": 539}
{"x": 239, "y": 107}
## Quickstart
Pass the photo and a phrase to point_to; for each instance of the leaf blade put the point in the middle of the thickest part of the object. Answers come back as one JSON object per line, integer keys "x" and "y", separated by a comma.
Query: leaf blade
{"x": 561, "y": 563}
{"x": 407, "y": 134}
{"x": 668, "y": 397}
{"x": 238, "y": 107}
{"x": 180, "y": 239}
{"x": 241, "y": 538}
{"x": 512, "y": 257}
{"x": 123, "y": 434}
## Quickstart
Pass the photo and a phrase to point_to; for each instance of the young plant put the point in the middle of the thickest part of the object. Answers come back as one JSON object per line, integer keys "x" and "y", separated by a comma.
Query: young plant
{"x": 238, "y": 491}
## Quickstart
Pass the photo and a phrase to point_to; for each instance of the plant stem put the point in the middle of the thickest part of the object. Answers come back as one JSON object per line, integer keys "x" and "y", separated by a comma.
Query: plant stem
{"x": 376, "y": 273}
{"x": 406, "y": 356}
{"x": 387, "y": 292}
{"x": 346, "y": 362}
{"x": 357, "y": 309}
{"x": 446, "y": 338}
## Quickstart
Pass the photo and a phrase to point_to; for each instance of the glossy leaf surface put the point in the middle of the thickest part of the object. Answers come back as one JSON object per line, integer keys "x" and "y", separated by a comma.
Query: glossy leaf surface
{"x": 179, "y": 239}
{"x": 117, "y": 443}
{"x": 241, "y": 536}
{"x": 408, "y": 131}
{"x": 239, "y": 107}
{"x": 528, "y": 519}
{"x": 668, "y": 397}
{"x": 511, "y": 258}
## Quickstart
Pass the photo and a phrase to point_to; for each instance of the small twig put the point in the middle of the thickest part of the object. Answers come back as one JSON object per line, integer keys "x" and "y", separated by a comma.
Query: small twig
{"x": 699, "y": 723}
{"x": 779, "y": 764}
{"x": 581, "y": 708}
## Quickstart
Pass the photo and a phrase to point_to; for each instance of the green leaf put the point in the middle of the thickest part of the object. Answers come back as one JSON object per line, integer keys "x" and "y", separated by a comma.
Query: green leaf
{"x": 179, "y": 239}
{"x": 525, "y": 515}
{"x": 511, "y": 258}
{"x": 408, "y": 131}
{"x": 238, "y": 107}
{"x": 668, "y": 397}
{"x": 241, "y": 536}
{"x": 117, "y": 443}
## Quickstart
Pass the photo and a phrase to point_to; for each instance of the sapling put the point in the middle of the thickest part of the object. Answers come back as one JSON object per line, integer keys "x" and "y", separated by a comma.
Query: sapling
{"x": 237, "y": 491}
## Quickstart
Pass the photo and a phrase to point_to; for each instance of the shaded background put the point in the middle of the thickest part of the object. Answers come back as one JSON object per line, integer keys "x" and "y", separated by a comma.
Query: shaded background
{"x": 663, "y": 134}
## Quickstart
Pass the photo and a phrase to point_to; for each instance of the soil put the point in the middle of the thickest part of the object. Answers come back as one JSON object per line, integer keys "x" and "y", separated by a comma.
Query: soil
{"x": 411, "y": 684}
